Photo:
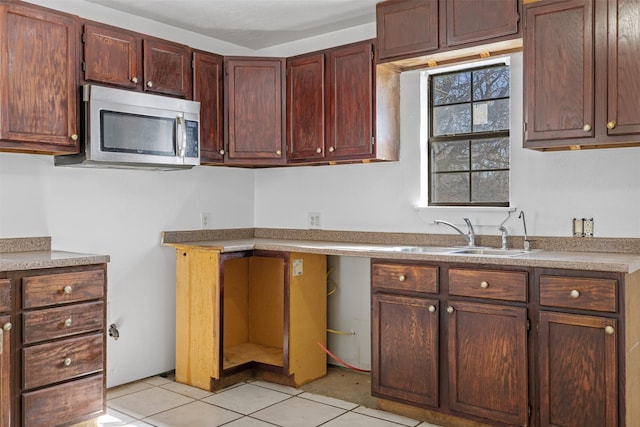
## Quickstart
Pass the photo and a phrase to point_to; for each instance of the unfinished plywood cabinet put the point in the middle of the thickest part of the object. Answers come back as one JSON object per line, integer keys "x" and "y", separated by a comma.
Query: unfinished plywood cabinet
{"x": 250, "y": 311}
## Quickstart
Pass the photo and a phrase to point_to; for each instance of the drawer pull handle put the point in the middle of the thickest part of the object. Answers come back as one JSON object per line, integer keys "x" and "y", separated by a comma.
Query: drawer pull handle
{"x": 484, "y": 284}
{"x": 402, "y": 278}
{"x": 67, "y": 361}
{"x": 432, "y": 308}
{"x": 68, "y": 289}
{"x": 609, "y": 330}
{"x": 449, "y": 309}
{"x": 575, "y": 293}
{"x": 7, "y": 326}
{"x": 67, "y": 322}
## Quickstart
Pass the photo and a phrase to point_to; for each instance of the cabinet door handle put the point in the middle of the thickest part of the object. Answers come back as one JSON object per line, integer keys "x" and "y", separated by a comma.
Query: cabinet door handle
{"x": 575, "y": 293}
{"x": 331, "y": 149}
{"x": 221, "y": 152}
{"x": 67, "y": 322}
{"x": 609, "y": 330}
{"x": 149, "y": 84}
{"x": 74, "y": 137}
{"x": 484, "y": 284}
{"x": 7, "y": 326}
{"x": 586, "y": 128}
{"x": 432, "y": 308}
{"x": 450, "y": 310}
{"x": 68, "y": 289}
{"x": 134, "y": 80}
{"x": 402, "y": 278}
{"x": 67, "y": 361}
{"x": 318, "y": 150}
{"x": 279, "y": 152}
{"x": 611, "y": 125}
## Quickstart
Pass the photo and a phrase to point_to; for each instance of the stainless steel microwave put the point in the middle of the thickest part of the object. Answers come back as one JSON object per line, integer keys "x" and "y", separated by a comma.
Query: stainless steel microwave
{"x": 125, "y": 129}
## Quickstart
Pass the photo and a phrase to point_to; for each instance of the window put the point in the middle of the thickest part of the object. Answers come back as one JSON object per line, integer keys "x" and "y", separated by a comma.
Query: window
{"x": 468, "y": 146}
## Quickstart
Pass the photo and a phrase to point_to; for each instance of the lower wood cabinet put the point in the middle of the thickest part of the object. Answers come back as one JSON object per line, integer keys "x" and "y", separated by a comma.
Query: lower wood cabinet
{"x": 52, "y": 371}
{"x": 249, "y": 311}
{"x": 506, "y": 346}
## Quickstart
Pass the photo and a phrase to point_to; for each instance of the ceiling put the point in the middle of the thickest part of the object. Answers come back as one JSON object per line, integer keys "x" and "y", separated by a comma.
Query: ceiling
{"x": 255, "y": 24}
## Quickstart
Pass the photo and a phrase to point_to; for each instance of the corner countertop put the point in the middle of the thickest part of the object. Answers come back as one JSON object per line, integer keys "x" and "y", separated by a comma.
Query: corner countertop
{"x": 593, "y": 261}
{"x": 35, "y": 253}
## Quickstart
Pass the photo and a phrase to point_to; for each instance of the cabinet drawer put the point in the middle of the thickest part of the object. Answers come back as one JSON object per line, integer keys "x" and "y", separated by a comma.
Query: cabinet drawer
{"x": 61, "y": 288}
{"x": 405, "y": 277}
{"x": 5, "y": 295}
{"x": 578, "y": 292}
{"x": 52, "y": 323}
{"x": 492, "y": 284}
{"x": 61, "y": 360}
{"x": 65, "y": 403}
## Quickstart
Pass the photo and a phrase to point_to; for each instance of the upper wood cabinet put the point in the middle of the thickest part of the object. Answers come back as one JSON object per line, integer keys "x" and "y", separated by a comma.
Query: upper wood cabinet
{"x": 115, "y": 56}
{"x": 254, "y": 108}
{"x": 350, "y": 104}
{"x": 306, "y": 107}
{"x": 38, "y": 80}
{"x": 580, "y": 86}
{"x": 412, "y": 28}
{"x": 207, "y": 89}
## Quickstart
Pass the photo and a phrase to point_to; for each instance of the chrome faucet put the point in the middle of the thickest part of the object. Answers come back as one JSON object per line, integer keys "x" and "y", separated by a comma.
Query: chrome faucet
{"x": 505, "y": 234}
{"x": 470, "y": 236}
{"x": 527, "y": 243}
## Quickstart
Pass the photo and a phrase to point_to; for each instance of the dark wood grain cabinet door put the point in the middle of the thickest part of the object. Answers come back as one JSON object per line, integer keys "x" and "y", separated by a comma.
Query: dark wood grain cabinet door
{"x": 578, "y": 371}
{"x": 38, "y": 81}
{"x": 471, "y": 21}
{"x": 207, "y": 89}
{"x": 254, "y": 106}
{"x": 305, "y": 107}
{"x": 167, "y": 68}
{"x": 407, "y": 28}
{"x": 5, "y": 371}
{"x": 488, "y": 363}
{"x": 351, "y": 102}
{"x": 111, "y": 56}
{"x": 405, "y": 334}
{"x": 623, "y": 116}
{"x": 559, "y": 71}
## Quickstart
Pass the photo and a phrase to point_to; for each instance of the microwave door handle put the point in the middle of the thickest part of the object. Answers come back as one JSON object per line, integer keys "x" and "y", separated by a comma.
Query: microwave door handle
{"x": 182, "y": 136}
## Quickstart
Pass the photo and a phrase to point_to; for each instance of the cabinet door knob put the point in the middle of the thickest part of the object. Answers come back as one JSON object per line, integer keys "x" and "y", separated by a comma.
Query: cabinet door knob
{"x": 67, "y": 322}
{"x": 221, "y": 152}
{"x": 134, "y": 79}
{"x": 67, "y": 361}
{"x": 149, "y": 84}
{"x": 575, "y": 293}
{"x": 402, "y": 278}
{"x": 586, "y": 128}
{"x": 318, "y": 150}
{"x": 609, "y": 330}
{"x": 449, "y": 309}
{"x": 74, "y": 137}
{"x": 7, "y": 326}
{"x": 331, "y": 149}
{"x": 484, "y": 284}
{"x": 68, "y": 289}
{"x": 432, "y": 308}
{"x": 611, "y": 125}
{"x": 279, "y": 152}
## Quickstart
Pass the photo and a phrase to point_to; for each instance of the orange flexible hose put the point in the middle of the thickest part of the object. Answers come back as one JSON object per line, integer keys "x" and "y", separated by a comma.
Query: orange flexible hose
{"x": 342, "y": 362}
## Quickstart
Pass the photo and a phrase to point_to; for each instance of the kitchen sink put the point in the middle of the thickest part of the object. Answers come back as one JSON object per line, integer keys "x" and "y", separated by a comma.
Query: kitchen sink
{"x": 423, "y": 249}
{"x": 491, "y": 252}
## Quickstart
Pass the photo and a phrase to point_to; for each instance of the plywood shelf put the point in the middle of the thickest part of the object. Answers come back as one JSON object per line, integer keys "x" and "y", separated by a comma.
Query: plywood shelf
{"x": 250, "y": 352}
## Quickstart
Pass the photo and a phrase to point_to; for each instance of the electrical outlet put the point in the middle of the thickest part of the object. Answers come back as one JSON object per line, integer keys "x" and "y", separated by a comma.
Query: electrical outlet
{"x": 205, "y": 220}
{"x": 314, "y": 220}
{"x": 588, "y": 227}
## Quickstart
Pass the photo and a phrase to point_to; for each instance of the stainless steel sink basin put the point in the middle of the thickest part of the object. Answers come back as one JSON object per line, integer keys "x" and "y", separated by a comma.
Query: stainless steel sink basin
{"x": 491, "y": 252}
{"x": 423, "y": 249}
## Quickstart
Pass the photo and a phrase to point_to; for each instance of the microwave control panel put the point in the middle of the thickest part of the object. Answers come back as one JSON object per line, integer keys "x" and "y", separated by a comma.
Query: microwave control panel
{"x": 192, "y": 146}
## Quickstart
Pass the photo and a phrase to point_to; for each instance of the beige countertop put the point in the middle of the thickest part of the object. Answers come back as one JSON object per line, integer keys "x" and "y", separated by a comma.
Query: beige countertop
{"x": 35, "y": 253}
{"x": 594, "y": 261}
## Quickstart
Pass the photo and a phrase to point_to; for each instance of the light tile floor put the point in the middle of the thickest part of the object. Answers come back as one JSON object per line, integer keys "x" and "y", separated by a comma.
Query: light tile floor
{"x": 161, "y": 402}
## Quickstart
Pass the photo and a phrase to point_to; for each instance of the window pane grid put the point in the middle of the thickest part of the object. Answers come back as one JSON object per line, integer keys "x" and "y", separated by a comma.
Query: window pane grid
{"x": 469, "y": 137}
